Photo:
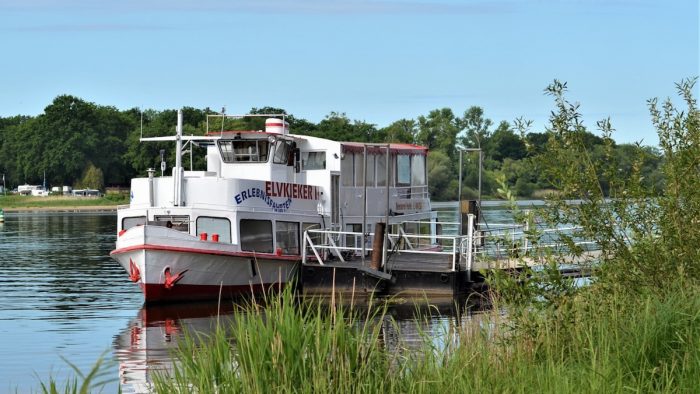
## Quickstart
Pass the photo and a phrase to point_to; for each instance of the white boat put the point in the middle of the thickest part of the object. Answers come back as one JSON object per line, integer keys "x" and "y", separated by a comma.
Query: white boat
{"x": 237, "y": 227}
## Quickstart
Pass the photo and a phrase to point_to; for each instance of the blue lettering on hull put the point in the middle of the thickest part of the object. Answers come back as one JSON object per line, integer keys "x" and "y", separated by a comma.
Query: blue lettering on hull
{"x": 258, "y": 193}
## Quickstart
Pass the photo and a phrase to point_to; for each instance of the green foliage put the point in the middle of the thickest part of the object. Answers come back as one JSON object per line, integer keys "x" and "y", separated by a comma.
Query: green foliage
{"x": 71, "y": 134}
{"x": 647, "y": 230}
{"x": 284, "y": 347}
{"x": 404, "y": 130}
{"x": 92, "y": 179}
{"x": 616, "y": 344}
{"x": 83, "y": 383}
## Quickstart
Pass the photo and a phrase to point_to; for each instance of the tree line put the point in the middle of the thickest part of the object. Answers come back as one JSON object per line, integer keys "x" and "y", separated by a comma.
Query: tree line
{"x": 79, "y": 143}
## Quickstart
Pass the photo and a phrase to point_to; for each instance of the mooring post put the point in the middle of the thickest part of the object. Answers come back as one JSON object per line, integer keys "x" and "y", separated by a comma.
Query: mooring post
{"x": 470, "y": 245}
{"x": 378, "y": 245}
{"x": 467, "y": 207}
{"x": 526, "y": 228}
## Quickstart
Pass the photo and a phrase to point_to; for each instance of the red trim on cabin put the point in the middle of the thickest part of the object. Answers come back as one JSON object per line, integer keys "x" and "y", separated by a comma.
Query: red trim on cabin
{"x": 394, "y": 149}
{"x": 269, "y": 256}
{"x": 156, "y": 292}
{"x": 233, "y": 132}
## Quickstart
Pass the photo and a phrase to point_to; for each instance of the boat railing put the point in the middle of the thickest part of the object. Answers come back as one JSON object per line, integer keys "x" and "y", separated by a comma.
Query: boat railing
{"x": 515, "y": 241}
{"x": 323, "y": 246}
{"x": 509, "y": 243}
{"x": 412, "y": 192}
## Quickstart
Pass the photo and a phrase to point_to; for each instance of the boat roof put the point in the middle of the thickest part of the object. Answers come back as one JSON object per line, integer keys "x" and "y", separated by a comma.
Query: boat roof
{"x": 394, "y": 148}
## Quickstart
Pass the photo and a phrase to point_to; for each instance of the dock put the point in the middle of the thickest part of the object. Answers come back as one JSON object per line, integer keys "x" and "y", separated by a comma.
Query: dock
{"x": 430, "y": 265}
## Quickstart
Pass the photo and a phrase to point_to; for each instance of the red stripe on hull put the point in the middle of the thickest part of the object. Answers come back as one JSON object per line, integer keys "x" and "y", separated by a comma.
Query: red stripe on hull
{"x": 154, "y": 292}
{"x": 268, "y": 256}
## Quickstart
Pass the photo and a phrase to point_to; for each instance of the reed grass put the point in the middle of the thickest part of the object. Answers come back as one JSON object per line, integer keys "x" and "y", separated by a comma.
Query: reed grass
{"x": 95, "y": 380}
{"x": 615, "y": 345}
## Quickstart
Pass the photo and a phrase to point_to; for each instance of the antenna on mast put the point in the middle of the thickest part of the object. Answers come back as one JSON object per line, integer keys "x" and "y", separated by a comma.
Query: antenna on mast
{"x": 223, "y": 118}
{"x": 141, "y": 111}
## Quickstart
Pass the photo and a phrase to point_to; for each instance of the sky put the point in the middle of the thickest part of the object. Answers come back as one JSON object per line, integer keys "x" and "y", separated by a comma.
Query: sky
{"x": 378, "y": 61}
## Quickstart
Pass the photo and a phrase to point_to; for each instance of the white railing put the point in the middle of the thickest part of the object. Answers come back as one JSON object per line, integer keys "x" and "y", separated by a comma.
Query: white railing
{"x": 411, "y": 192}
{"x": 329, "y": 244}
{"x": 497, "y": 242}
{"x": 512, "y": 241}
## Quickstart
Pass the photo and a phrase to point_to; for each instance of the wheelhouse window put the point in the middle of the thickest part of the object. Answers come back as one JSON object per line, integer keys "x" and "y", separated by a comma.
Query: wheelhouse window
{"x": 128, "y": 223}
{"x": 237, "y": 151}
{"x": 282, "y": 151}
{"x": 256, "y": 235}
{"x": 220, "y": 226}
{"x": 287, "y": 234}
{"x": 313, "y": 161}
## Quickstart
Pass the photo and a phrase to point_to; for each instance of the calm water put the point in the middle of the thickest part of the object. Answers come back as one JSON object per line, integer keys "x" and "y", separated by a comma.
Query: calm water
{"x": 62, "y": 296}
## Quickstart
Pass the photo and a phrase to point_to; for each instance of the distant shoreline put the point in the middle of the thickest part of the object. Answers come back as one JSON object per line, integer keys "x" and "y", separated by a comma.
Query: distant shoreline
{"x": 64, "y": 209}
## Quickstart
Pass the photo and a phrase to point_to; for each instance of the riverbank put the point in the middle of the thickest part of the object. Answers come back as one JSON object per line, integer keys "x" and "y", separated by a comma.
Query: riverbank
{"x": 66, "y": 209}
{"x": 16, "y": 204}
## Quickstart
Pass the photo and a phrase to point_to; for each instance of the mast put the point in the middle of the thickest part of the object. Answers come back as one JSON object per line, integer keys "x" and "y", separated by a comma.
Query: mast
{"x": 177, "y": 171}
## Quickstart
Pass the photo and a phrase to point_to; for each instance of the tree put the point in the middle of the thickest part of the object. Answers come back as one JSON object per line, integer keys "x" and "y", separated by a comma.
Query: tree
{"x": 439, "y": 131}
{"x": 404, "y": 130}
{"x": 338, "y": 127}
{"x": 440, "y": 175}
{"x": 475, "y": 127}
{"x": 504, "y": 143}
{"x": 92, "y": 178}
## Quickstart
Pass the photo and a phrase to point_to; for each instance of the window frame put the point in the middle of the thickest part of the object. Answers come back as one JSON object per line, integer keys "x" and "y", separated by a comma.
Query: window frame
{"x": 242, "y": 226}
{"x": 221, "y": 237}
{"x": 230, "y": 156}
{"x": 124, "y": 227}
{"x": 296, "y": 249}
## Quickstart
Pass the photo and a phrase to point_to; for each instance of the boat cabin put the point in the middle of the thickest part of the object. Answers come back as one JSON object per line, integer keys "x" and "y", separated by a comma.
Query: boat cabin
{"x": 262, "y": 189}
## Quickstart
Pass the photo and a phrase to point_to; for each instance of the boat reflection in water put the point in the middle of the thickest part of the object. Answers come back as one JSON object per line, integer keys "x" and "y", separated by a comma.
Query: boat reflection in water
{"x": 145, "y": 347}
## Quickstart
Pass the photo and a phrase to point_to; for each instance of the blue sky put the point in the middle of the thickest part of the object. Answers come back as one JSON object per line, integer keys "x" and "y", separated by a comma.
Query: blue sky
{"x": 377, "y": 61}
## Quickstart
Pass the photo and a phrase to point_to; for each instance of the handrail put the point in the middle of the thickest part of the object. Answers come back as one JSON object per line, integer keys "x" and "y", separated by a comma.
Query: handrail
{"x": 330, "y": 244}
{"x": 464, "y": 250}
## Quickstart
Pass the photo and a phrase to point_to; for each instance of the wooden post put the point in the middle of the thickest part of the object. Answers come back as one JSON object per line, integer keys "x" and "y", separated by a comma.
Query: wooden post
{"x": 466, "y": 208}
{"x": 378, "y": 245}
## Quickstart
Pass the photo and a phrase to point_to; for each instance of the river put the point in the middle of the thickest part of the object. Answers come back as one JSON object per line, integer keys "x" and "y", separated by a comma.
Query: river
{"x": 63, "y": 297}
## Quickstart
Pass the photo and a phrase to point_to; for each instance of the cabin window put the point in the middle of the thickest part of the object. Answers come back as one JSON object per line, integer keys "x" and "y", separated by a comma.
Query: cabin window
{"x": 313, "y": 161}
{"x": 370, "y": 170}
{"x": 176, "y": 222}
{"x": 287, "y": 234}
{"x": 403, "y": 170}
{"x": 381, "y": 170}
{"x": 241, "y": 151}
{"x": 256, "y": 235}
{"x": 282, "y": 151}
{"x": 359, "y": 164}
{"x": 220, "y": 226}
{"x": 128, "y": 223}
{"x": 346, "y": 169}
{"x": 418, "y": 170}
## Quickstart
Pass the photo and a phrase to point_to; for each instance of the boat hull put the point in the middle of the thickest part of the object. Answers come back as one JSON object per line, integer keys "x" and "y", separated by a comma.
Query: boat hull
{"x": 172, "y": 266}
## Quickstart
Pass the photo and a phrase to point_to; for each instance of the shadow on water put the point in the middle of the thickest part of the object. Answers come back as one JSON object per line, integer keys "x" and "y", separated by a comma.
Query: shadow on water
{"x": 146, "y": 344}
